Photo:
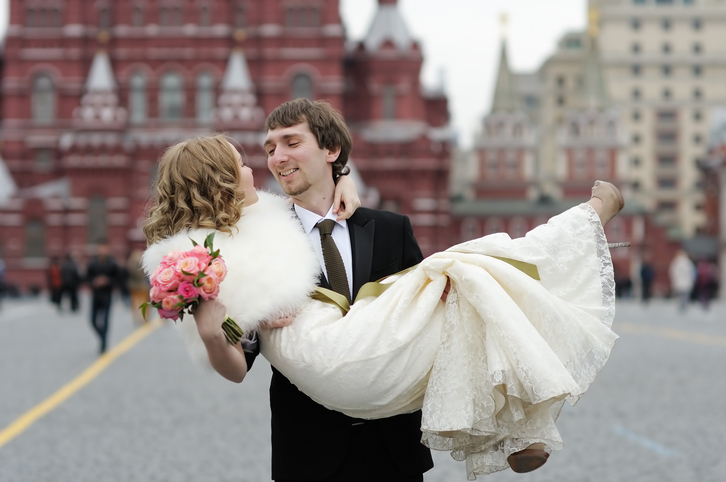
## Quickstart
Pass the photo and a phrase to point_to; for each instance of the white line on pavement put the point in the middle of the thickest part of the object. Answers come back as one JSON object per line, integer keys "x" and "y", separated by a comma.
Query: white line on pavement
{"x": 645, "y": 442}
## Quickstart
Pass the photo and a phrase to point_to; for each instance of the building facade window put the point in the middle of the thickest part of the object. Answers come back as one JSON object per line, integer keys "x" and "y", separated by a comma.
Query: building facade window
{"x": 666, "y": 94}
{"x": 666, "y": 24}
{"x": 205, "y": 17}
{"x": 666, "y": 70}
{"x": 697, "y": 115}
{"x": 104, "y": 18}
{"x": 636, "y": 94}
{"x": 697, "y": 94}
{"x": 635, "y": 23}
{"x": 302, "y": 16}
{"x": 302, "y": 87}
{"x": 666, "y": 161}
{"x": 240, "y": 17}
{"x": 43, "y": 99}
{"x": 171, "y": 96}
{"x": 389, "y": 102}
{"x": 636, "y": 115}
{"x": 666, "y": 183}
{"x": 43, "y": 17}
{"x": 138, "y": 16}
{"x": 34, "y": 239}
{"x": 697, "y": 70}
{"x": 517, "y": 227}
{"x": 205, "y": 97}
{"x": 137, "y": 98}
{"x": 635, "y": 69}
{"x": 493, "y": 225}
{"x": 666, "y": 116}
{"x": 97, "y": 219}
{"x": 635, "y": 48}
{"x": 666, "y": 139}
{"x": 697, "y": 48}
{"x": 697, "y": 24}
{"x": 43, "y": 159}
{"x": 666, "y": 48}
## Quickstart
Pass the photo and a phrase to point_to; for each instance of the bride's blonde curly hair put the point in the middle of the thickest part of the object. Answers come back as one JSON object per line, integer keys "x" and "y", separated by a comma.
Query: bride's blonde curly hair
{"x": 197, "y": 186}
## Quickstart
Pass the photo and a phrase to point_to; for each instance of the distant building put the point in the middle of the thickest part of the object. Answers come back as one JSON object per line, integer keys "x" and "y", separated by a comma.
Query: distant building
{"x": 664, "y": 66}
{"x": 93, "y": 92}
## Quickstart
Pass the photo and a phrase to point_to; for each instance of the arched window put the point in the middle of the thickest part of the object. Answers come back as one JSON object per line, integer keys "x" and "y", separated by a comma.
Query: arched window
{"x": 517, "y": 227}
{"x": 240, "y": 19}
{"x": 171, "y": 96}
{"x": 493, "y": 225}
{"x": 389, "y": 102}
{"x": 43, "y": 99}
{"x": 205, "y": 17}
{"x": 34, "y": 239}
{"x": 104, "y": 18}
{"x": 97, "y": 219}
{"x": 138, "y": 19}
{"x": 205, "y": 97}
{"x": 30, "y": 19}
{"x": 302, "y": 87}
{"x": 469, "y": 229}
{"x": 137, "y": 98}
{"x": 177, "y": 18}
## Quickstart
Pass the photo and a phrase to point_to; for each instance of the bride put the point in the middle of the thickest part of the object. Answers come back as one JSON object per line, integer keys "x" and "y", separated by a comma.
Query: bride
{"x": 525, "y": 326}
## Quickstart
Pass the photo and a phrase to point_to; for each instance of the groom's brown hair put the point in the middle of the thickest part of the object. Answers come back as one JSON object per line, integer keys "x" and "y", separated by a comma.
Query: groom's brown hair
{"x": 326, "y": 124}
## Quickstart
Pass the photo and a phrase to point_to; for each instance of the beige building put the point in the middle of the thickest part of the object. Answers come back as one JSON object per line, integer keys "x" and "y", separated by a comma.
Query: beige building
{"x": 665, "y": 64}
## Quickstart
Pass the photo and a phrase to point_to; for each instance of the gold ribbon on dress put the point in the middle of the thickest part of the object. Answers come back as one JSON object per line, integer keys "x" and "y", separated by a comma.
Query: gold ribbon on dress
{"x": 377, "y": 288}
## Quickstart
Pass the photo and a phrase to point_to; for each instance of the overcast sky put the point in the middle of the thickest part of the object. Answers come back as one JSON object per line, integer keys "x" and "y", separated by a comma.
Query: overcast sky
{"x": 461, "y": 39}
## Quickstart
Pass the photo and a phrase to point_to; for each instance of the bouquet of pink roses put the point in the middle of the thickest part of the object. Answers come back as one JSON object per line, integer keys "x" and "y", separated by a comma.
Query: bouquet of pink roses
{"x": 185, "y": 277}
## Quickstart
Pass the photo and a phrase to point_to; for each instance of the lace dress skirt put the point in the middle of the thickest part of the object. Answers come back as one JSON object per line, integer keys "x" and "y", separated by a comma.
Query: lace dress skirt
{"x": 492, "y": 366}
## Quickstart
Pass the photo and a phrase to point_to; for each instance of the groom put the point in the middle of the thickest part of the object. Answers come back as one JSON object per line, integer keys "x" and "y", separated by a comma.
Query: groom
{"x": 307, "y": 145}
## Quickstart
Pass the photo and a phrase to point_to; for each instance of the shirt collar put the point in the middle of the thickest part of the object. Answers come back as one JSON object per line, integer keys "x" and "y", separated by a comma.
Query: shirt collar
{"x": 309, "y": 219}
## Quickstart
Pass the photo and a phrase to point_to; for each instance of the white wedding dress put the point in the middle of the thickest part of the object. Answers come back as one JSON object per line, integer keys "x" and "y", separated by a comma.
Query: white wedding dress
{"x": 490, "y": 368}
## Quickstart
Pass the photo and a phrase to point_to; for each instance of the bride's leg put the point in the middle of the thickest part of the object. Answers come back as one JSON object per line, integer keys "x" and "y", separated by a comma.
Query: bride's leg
{"x": 529, "y": 459}
{"x": 606, "y": 200}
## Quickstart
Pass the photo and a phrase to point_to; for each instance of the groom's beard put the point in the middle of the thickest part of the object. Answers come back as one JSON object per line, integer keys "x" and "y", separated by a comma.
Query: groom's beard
{"x": 294, "y": 191}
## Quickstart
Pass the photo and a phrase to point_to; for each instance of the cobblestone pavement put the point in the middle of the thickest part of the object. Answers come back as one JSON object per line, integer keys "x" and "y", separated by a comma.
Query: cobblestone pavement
{"x": 655, "y": 412}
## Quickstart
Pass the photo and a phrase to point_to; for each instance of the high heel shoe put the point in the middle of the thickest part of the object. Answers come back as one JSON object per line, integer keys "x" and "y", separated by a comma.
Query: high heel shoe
{"x": 528, "y": 459}
{"x": 612, "y": 200}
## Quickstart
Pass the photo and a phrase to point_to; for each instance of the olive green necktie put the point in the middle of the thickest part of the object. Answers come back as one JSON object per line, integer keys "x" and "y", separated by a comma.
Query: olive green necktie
{"x": 333, "y": 262}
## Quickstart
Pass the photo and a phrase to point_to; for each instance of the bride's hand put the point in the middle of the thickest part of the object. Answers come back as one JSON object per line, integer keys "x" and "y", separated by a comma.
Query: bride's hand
{"x": 346, "y": 199}
{"x": 209, "y": 316}
{"x": 279, "y": 322}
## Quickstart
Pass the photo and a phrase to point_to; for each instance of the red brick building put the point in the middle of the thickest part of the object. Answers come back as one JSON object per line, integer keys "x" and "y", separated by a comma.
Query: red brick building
{"x": 94, "y": 91}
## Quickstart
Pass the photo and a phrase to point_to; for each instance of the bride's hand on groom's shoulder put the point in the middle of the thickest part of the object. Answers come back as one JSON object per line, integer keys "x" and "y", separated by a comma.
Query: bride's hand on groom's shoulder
{"x": 346, "y": 199}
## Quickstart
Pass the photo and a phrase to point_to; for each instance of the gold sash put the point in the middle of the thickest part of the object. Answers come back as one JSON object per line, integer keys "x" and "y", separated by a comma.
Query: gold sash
{"x": 376, "y": 288}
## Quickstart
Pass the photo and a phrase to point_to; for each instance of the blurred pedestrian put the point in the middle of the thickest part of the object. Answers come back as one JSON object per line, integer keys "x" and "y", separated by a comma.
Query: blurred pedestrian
{"x": 705, "y": 282}
{"x": 138, "y": 284}
{"x": 71, "y": 280}
{"x": 682, "y": 274}
{"x": 55, "y": 281}
{"x": 2, "y": 281}
{"x": 102, "y": 276}
{"x": 647, "y": 276}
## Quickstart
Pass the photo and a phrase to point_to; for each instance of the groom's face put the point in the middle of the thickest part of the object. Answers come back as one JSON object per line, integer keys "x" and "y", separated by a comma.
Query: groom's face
{"x": 296, "y": 160}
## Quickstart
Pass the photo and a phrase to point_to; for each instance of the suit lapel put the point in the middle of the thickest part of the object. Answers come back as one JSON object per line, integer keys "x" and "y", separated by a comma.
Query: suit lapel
{"x": 361, "y": 232}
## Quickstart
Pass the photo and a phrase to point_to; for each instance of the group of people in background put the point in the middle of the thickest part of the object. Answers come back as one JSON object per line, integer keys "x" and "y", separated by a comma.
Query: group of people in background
{"x": 103, "y": 275}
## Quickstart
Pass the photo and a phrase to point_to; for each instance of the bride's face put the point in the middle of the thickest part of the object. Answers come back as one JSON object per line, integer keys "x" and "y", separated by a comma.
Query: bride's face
{"x": 247, "y": 181}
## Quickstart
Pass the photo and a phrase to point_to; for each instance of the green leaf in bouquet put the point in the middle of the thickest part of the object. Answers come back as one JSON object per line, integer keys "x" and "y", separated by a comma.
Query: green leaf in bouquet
{"x": 143, "y": 308}
{"x": 187, "y": 274}
{"x": 194, "y": 243}
{"x": 210, "y": 239}
{"x": 215, "y": 254}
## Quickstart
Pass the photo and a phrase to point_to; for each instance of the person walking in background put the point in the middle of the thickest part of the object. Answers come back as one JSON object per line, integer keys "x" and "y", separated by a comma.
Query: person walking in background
{"x": 682, "y": 274}
{"x": 70, "y": 280}
{"x": 647, "y": 276}
{"x": 137, "y": 284}
{"x": 705, "y": 281}
{"x": 102, "y": 276}
{"x": 55, "y": 282}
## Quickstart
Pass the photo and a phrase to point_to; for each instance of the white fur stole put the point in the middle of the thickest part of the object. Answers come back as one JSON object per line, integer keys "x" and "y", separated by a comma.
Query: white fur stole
{"x": 271, "y": 267}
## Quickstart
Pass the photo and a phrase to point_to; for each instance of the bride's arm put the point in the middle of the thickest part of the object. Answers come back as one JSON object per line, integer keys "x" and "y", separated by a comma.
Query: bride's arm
{"x": 228, "y": 360}
{"x": 346, "y": 199}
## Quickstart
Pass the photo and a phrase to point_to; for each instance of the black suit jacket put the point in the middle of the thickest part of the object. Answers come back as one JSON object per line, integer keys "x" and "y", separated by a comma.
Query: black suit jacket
{"x": 310, "y": 441}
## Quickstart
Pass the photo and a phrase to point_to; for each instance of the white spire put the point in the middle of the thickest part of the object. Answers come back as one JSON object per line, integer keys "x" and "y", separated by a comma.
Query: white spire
{"x": 100, "y": 78}
{"x": 99, "y": 105}
{"x": 388, "y": 24}
{"x": 237, "y": 103}
{"x": 237, "y": 75}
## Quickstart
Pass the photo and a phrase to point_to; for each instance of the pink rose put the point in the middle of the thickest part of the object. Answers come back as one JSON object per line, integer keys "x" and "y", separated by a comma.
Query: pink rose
{"x": 189, "y": 264}
{"x": 167, "y": 279}
{"x": 209, "y": 288}
{"x": 201, "y": 253}
{"x": 171, "y": 258}
{"x": 188, "y": 291}
{"x": 169, "y": 302}
{"x": 169, "y": 314}
{"x": 218, "y": 268}
{"x": 157, "y": 294}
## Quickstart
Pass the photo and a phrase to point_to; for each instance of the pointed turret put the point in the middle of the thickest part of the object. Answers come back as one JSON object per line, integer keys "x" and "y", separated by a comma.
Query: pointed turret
{"x": 388, "y": 26}
{"x": 594, "y": 90}
{"x": 99, "y": 105}
{"x": 506, "y": 94}
{"x": 237, "y": 102}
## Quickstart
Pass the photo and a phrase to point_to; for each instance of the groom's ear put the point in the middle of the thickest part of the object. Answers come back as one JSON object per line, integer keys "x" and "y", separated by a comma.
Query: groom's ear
{"x": 332, "y": 154}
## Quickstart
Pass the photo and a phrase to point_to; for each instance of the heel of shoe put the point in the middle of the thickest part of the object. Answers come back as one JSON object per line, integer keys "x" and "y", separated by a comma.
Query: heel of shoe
{"x": 527, "y": 460}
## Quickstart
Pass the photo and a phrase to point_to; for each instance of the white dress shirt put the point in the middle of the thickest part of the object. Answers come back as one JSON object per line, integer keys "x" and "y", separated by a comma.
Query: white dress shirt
{"x": 340, "y": 234}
